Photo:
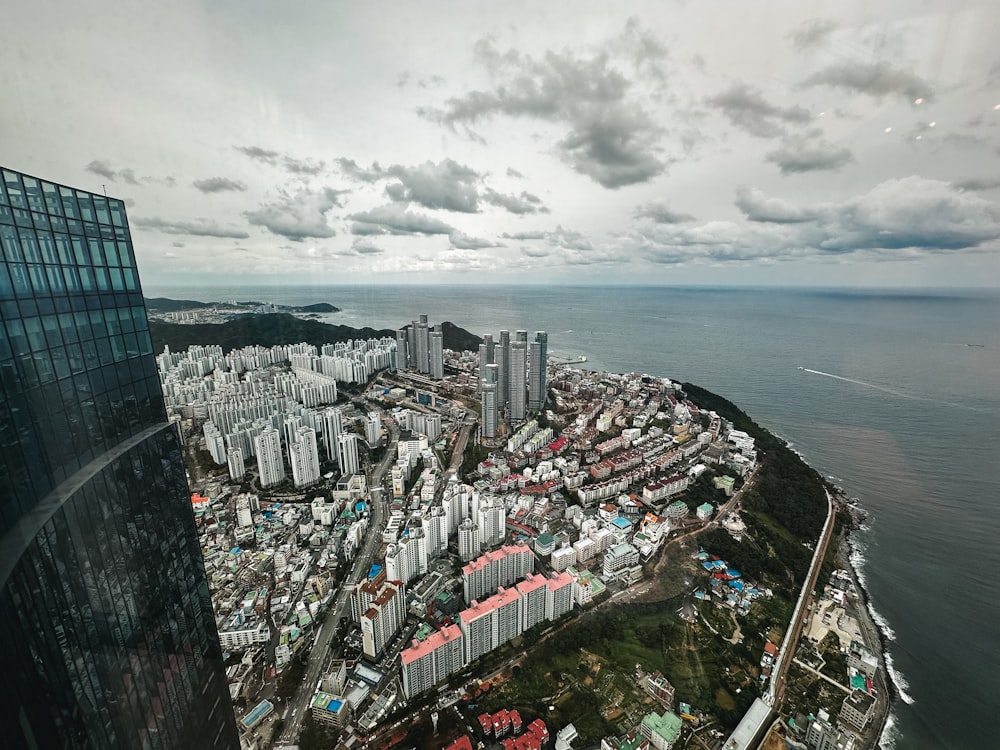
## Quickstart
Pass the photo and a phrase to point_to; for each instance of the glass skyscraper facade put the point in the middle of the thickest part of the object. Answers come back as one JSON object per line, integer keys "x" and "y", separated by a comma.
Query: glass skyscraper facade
{"x": 107, "y": 637}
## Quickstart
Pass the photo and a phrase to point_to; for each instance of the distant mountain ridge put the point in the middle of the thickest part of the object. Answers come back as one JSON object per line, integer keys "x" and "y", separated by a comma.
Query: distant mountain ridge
{"x": 165, "y": 305}
{"x": 281, "y": 328}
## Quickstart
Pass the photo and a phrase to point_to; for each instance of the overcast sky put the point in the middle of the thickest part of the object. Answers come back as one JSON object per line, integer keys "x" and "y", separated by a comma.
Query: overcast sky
{"x": 667, "y": 142}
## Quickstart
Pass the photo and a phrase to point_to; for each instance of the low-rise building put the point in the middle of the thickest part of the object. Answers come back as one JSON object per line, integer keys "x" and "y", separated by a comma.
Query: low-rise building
{"x": 857, "y": 710}
{"x": 661, "y": 731}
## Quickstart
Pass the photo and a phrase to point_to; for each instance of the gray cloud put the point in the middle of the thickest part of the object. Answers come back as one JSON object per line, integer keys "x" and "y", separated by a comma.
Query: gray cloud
{"x": 298, "y": 216}
{"x": 176, "y": 244}
{"x": 462, "y": 241}
{"x": 511, "y": 172}
{"x": 758, "y": 207}
{"x": 365, "y": 247}
{"x": 536, "y": 252}
{"x": 198, "y": 227}
{"x": 812, "y": 33}
{"x": 660, "y": 212}
{"x": 395, "y": 219}
{"x": 913, "y": 212}
{"x": 290, "y": 164}
{"x": 559, "y": 237}
{"x": 977, "y": 183}
{"x": 525, "y": 203}
{"x": 102, "y": 169}
{"x": 105, "y": 169}
{"x": 876, "y": 79}
{"x": 259, "y": 154}
{"x": 800, "y": 154}
{"x": 900, "y": 219}
{"x": 302, "y": 166}
{"x": 219, "y": 185}
{"x": 746, "y": 108}
{"x": 447, "y": 185}
{"x": 537, "y": 235}
{"x": 352, "y": 169}
{"x": 610, "y": 136}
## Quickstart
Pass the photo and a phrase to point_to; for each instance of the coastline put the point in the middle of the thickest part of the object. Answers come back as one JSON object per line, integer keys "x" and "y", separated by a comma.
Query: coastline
{"x": 876, "y": 637}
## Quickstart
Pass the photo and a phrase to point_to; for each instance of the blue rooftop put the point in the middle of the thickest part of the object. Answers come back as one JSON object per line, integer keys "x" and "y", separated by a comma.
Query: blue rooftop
{"x": 622, "y": 523}
{"x": 374, "y": 571}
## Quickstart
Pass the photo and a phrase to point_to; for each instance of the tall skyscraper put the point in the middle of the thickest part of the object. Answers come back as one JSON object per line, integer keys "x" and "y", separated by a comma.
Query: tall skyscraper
{"x": 347, "y": 454}
{"x": 489, "y": 409}
{"x": 435, "y": 354}
{"x": 304, "y": 457}
{"x": 536, "y": 382}
{"x": 423, "y": 345}
{"x": 501, "y": 355}
{"x": 411, "y": 345}
{"x": 270, "y": 465}
{"x": 486, "y": 354}
{"x": 333, "y": 428}
{"x": 107, "y": 636}
{"x": 237, "y": 467}
{"x": 518, "y": 378}
{"x": 402, "y": 355}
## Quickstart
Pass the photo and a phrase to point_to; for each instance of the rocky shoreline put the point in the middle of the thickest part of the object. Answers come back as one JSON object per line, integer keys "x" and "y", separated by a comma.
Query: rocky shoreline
{"x": 876, "y": 638}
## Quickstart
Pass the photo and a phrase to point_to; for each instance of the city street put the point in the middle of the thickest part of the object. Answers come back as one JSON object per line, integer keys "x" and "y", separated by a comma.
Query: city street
{"x": 297, "y": 705}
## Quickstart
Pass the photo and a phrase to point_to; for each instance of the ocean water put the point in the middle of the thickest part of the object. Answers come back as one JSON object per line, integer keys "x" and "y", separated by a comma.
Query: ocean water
{"x": 891, "y": 400}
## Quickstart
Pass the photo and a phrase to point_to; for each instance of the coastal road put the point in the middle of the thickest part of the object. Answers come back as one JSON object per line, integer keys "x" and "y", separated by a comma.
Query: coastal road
{"x": 297, "y": 705}
{"x": 776, "y": 690}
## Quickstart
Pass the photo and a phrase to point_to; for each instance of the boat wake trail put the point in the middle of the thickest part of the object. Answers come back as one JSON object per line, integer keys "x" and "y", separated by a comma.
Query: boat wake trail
{"x": 893, "y": 391}
{"x": 865, "y": 384}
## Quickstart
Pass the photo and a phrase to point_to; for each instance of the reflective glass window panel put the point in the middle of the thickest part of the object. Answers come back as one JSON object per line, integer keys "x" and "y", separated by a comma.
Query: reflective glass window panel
{"x": 117, "y": 209}
{"x": 97, "y": 324}
{"x": 29, "y": 246}
{"x": 87, "y": 212}
{"x": 40, "y": 220}
{"x": 55, "y": 279}
{"x": 6, "y": 285}
{"x": 80, "y": 251}
{"x": 47, "y": 244}
{"x": 14, "y": 189}
{"x": 103, "y": 283}
{"x": 72, "y": 279}
{"x": 111, "y": 253}
{"x": 64, "y": 248}
{"x": 10, "y": 244}
{"x": 111, "y": 320}
{"x": 19, "y": 278}
{"x": 87, "y": 281}
{"x": 96, "y": 252}
{"x": 33, "y": 192}
{"x": 39, "y": 284}
{"x": 53, "y": 204}
{"x": 101, "y": 209}
{"x": 69, "y": 203}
